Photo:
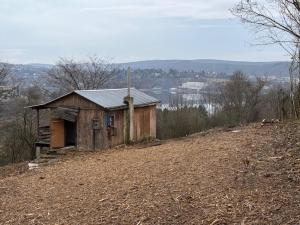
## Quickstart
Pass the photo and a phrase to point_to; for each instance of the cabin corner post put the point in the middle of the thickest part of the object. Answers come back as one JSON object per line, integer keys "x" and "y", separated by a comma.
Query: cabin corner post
{"x": 129, "y": 123}
{"x": 131, "y": 115}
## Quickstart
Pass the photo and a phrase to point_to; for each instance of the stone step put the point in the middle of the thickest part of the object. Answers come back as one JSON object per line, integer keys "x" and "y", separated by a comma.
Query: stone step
{"x": 37, "y": 163}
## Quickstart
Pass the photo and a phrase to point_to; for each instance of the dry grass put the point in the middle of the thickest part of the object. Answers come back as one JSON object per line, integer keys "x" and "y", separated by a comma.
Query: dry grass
{"x": 219, "y": 178}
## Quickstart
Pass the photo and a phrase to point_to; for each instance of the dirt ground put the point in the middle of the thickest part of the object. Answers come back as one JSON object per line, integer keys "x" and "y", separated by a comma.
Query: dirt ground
{"x": 251, "y": 176}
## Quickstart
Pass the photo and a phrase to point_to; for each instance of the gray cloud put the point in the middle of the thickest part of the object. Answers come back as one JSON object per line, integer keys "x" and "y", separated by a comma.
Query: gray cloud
{"x": 44, "y": 30}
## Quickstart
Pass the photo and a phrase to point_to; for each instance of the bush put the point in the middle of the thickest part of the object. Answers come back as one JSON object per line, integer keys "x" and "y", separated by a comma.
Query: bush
{"x": 18, "y": 128}
{"x": 239, "y": 99}
{"x": 18, "y": 141}
{"x": 180, "y": 122}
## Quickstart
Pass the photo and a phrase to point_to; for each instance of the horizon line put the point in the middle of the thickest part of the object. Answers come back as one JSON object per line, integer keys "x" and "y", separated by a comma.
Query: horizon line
{"x": 157, "y": 60}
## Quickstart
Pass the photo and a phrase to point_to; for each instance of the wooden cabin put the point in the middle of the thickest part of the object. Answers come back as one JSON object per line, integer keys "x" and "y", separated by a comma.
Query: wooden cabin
{"x": 99, "y": 119}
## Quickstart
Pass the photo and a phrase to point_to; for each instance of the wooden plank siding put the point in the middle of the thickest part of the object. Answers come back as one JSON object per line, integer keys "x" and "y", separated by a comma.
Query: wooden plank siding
{"x": 153, "y": 121}
{"x": 73, "y": 100}
{"x": 144, "y": 123}
{"x": 85, "y": 130}
{"x": 119, "y": 126}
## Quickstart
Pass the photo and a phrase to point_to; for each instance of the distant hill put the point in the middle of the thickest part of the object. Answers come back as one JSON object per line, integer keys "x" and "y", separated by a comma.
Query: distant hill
{"x": 219, "y": 66}
{"x": 279, "y": 69}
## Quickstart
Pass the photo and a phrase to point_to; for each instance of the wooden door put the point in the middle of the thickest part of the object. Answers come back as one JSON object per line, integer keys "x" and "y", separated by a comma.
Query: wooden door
{"x": 57, "y": 134}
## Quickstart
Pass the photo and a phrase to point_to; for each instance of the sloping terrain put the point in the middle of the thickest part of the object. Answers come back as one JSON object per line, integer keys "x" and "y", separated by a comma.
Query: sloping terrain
{"x": 210, "y": 65}
{"x": 250, "y": 176}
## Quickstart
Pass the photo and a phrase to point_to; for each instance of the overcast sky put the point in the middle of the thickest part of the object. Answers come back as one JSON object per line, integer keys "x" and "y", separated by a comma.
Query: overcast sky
{"x": 41, "y": 31}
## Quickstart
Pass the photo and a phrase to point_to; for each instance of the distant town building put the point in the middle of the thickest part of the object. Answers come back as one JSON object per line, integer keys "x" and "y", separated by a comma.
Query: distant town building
{"x": 194, "y": 85}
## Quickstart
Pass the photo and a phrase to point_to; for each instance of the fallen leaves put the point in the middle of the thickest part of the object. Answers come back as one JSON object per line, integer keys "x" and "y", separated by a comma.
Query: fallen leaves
{"x": 245, "y": 177}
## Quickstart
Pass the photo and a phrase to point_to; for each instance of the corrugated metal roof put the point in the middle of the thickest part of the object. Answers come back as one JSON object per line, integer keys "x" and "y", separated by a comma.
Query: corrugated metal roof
{"x": 114, "y": 98}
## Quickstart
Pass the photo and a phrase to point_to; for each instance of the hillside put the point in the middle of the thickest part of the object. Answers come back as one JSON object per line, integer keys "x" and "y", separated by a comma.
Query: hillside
{"x": 247, "y": 176}
{"x": 218, "y": 66}
{"x": 278, "y": 69}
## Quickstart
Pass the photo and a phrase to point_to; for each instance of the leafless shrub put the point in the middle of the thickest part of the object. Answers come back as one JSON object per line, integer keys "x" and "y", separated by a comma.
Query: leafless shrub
{"x": 238, "y": 99}
{"x": 277, "y": 103}
{"x": 18, "y": 140}
{"x": 4, "y": 72}
{"x": 18, "y": 132}
{"x": 181, "y": 122}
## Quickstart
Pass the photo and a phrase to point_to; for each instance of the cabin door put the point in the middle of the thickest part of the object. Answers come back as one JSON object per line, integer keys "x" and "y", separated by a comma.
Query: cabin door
{"x": 57, "y": 133}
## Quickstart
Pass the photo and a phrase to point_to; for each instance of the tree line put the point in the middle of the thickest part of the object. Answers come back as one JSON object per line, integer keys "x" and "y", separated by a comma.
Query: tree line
{"x": 236, "y": 102}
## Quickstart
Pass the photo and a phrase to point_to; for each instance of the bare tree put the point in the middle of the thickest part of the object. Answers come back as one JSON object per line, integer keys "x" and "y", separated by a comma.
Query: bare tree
{"x": 277, "y": 20}
{"x": 239, "y": 98}
{"x": 17, "y": 134}
{"x": 70, "y": 74}
{"x": 4, "y": 72}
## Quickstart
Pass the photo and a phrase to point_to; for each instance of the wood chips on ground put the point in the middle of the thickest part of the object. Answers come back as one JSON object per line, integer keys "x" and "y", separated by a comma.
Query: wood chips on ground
{"x": 223, "y": 177}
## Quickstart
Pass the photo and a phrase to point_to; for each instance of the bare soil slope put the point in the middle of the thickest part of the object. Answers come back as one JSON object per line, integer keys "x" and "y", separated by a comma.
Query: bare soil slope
{"x": 222, "y": 177}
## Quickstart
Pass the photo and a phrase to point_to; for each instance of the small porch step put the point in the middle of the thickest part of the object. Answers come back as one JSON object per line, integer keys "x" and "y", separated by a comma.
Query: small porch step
{"x": 49, "y": 157}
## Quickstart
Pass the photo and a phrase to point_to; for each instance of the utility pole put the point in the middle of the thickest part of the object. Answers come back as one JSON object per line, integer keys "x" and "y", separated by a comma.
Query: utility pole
{"x": 129, "y": 117}
{"x": 129, "y": 80}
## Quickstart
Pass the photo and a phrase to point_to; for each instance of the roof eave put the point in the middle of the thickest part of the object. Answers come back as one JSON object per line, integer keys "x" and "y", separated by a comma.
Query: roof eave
{"x": 135, "y": 106}
{"x": 44, "y": 106}
{"x": 41, "y": 106}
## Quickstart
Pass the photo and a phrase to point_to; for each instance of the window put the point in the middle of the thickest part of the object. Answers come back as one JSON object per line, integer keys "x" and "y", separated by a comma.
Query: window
{"x": 110, "y": 120}
{"x": 110, "y": 125}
